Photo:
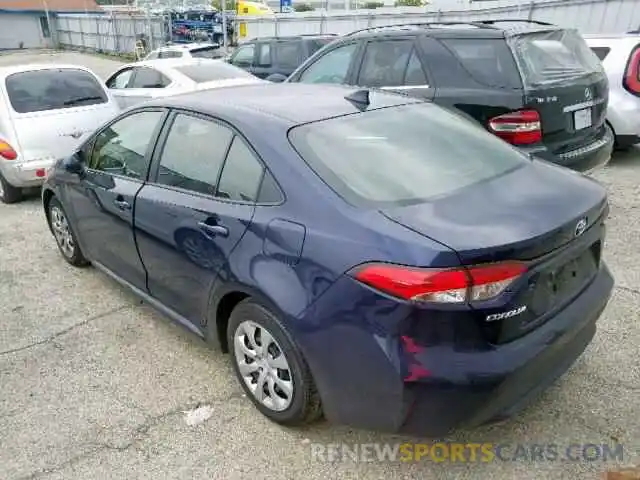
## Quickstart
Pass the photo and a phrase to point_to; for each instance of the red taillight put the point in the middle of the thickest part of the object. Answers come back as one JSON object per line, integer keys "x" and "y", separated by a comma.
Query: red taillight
{"x": 518, "y": 128}
{"x": 7, "y": 152}
{"x": 631, "y": 80}
{"x": 455, "y": 285}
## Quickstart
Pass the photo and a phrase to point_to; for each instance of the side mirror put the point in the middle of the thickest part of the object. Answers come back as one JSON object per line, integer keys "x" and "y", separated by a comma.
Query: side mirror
{"x": 276, "y": 78}
{"x": 75, "y": 163}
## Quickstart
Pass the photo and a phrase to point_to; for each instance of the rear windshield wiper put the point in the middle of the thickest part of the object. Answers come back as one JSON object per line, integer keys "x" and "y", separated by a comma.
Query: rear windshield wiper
{"x": 75, "y": 101}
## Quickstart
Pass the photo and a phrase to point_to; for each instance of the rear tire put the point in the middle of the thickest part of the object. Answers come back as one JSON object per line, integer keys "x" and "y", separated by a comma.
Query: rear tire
{"x": 9, "y": 193}
{"x": 269, "y": 365}
{"x": 64, "y": 235}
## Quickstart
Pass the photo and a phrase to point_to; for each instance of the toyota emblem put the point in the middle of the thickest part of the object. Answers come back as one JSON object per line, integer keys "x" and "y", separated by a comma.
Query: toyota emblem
{"x": 587, "y": 93}
{"x": 581, "y": 226}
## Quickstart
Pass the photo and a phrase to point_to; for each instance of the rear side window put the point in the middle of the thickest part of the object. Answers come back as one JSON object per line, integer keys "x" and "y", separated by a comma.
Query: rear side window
{"x": 53, "y": 89}
{"x": 207, "y": 52}
{"x": 385, "y": 63}
{"x": 201, "y": 72}
{"x": 601, "y": 52}
{"x": 488, "y": 61}
{"x": 398, "y": 156}
{"x": 288, "y": 54}
{"x": 558, "y": 55}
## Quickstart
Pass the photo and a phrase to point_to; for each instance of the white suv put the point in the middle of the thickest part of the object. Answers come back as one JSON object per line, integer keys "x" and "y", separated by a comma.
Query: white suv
{"x": 187, "y": 50}
{"x": 620, "y": 56}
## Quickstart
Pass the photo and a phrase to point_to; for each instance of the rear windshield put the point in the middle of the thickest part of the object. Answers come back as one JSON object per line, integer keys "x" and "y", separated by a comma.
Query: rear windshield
{"x": 402, "y": 155}
{"x": 207, "y": 52}
{"x": 207, "y": 72}
{"x": 546, "y": 57}
{"x": 53, "y": 89}
{"x": 489, "y": 61}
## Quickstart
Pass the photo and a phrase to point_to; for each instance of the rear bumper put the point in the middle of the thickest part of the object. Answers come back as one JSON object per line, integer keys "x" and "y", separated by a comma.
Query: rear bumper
{"x": 586, "y": 158}
{"x": 363, "y": 379}
{"x": 27, "y": 174}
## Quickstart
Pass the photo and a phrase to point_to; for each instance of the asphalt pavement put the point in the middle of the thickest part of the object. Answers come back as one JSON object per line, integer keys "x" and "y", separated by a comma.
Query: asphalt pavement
{"x": 95, "y": 385}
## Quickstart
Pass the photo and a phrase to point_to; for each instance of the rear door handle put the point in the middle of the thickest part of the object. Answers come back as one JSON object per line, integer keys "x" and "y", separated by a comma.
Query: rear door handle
{"x": 217, "y": 230}
{"x": 122, "y": 204}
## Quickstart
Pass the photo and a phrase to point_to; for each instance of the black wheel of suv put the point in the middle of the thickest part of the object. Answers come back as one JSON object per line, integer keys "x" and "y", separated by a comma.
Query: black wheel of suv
{"x": 65, "y": 238}
{"x": 9, "y": 193}
{"x": 270, "y": 367}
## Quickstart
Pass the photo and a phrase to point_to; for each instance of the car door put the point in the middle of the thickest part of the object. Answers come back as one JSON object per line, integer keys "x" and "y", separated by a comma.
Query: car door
{"x": 145, "y": 84}
{"x": 263, "y": 66}
{"x": 334, "y": 66}
{"x": 244, "y": 57}
{"x": 102, "y": 199}
{"x": 195, "y": 209}
{"x": 394, "y": 64}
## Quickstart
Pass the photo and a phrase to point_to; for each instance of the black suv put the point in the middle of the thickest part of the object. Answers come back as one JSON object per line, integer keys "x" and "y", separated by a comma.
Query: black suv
{"x": 536, "y": 85}
{"x": 277, "y": 55}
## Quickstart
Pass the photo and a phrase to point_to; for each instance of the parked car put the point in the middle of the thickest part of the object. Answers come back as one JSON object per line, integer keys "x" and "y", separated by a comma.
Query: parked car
{"x": 535, "y": 85}
{"x": 141, "y": 81}
{"x": 277, "y": 55}
{"x": 620, "y": 56}
{"x": 438, "y": 278}
{"x": 45, "y": 112}
{"x": 188, "y": 50}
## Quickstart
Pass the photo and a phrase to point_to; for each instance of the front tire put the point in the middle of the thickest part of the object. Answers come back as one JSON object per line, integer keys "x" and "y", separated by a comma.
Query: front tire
{"x": 9, "y": 193}
{"x": 270, "y": 367}
{"x": 63, "y": 233}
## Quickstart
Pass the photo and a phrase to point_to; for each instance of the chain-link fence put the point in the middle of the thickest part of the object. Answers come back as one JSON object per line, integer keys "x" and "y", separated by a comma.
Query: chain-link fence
{"x": 118, "y": 34}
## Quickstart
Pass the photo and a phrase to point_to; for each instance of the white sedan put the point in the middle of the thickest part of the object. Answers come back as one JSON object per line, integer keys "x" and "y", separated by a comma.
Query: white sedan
{"x": 140, "y": 81}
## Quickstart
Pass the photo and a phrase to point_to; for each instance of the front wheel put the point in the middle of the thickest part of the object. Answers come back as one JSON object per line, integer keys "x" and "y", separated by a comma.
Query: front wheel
{"x": 65, "y": 238}
{"x": 270, "y": 367}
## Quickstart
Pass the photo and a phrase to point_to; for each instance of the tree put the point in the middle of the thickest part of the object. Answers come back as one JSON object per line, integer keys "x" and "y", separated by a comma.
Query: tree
{"x": 410, "y": 3}
{"x": 372, "y": 5}
{"x": 302, "y": 7}
{"x": 228, "y": 4}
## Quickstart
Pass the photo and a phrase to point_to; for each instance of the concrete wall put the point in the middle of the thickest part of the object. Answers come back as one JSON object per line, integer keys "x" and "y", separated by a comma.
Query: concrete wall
{"x": 22, "y": 28}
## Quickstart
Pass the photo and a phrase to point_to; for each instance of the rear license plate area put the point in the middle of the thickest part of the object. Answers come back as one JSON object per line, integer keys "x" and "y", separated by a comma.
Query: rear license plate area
{"x": 582, "y": 119}
{"x": 555, "y": 286}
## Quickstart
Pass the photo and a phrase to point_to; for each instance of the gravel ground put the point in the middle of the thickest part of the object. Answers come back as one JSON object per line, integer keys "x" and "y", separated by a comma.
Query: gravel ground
{"x": 94, "y": 385}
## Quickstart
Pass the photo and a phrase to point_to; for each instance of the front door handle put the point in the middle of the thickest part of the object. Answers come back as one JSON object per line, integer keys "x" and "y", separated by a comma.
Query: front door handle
{"x": 122, "y": 204}
{"x": 217, "y": 230}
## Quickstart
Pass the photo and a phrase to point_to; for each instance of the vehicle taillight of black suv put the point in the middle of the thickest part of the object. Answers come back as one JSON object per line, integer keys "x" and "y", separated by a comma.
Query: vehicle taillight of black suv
{"x": 535, "y": 85}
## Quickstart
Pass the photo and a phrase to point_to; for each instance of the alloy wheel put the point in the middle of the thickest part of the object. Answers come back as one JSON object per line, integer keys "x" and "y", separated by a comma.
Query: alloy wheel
{"x": 263, "y": 366}
{"x": 61, "y": 231}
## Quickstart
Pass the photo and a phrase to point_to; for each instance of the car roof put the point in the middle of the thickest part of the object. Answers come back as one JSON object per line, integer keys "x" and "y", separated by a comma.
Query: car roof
{"x": 310, "y": 36}
{"x": 280, "y": 102}
{"x": 478, "y": 29}
{"x": 29, "y": 67}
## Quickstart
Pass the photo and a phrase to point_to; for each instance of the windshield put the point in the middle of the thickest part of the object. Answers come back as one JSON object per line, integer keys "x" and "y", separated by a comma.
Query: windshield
{"x": 208, "y": 52}
{"x": 208, "y": 72}
{"x": 402, "y": 155}
{"x": 547, "y": 57}
{"x": 52, "y": 89}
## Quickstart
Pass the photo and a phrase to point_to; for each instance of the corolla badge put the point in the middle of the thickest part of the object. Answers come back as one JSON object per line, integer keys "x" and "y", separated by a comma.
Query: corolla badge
{"x": 581, "y": 226}
{"x": 587, "y": 94}
{"x": 511, "y": 313}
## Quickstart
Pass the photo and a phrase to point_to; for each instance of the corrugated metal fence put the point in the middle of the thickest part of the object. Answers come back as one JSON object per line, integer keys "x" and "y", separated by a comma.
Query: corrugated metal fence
{"x": 117, "y": 34}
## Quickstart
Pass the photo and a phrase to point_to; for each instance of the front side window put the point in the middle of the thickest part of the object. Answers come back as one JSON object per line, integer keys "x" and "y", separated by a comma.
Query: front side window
{"x": 402, "y": 155}
{"x": 385, "y": 63}
{"x": 53, "y": 89}
{"x": 244, "y": 55}
{"x": 149, "y": 78}
{"x": 241, "y": 175}
{"x": 120, "y": 79}
{"x": 121, "y": 148}
{"x": 332, "y": 67}
{"x": 193, "y": 154}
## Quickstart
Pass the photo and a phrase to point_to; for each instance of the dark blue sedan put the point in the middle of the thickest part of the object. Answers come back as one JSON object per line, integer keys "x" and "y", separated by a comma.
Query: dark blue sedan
{"x": 360, "y": 254}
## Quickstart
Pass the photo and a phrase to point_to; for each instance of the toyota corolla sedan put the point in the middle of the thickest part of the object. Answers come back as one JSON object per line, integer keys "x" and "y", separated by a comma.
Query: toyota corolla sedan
{"x": 369, "y": 257}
